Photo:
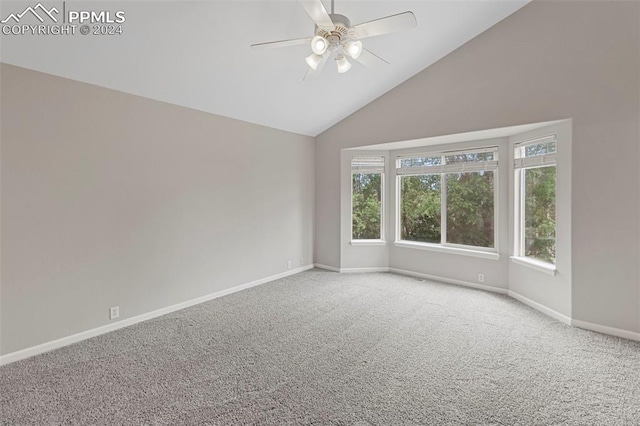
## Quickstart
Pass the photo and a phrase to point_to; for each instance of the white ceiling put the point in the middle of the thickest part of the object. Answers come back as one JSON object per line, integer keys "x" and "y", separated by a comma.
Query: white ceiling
{"x": 196, "y": 54}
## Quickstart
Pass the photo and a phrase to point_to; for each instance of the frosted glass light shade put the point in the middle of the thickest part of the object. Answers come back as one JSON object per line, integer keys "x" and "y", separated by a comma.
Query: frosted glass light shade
{"x": 343, "y": 64}
{"x": 353, "y": 48}
{"x": 319, "y": 45}
{"x": 313, "y": 60}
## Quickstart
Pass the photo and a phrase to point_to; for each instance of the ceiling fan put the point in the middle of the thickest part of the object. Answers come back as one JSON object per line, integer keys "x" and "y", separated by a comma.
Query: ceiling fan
{"x": 334, "y": 35}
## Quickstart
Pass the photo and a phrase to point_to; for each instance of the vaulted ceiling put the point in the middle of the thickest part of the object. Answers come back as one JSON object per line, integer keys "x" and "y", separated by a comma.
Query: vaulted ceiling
{"x": 197, "y": 55}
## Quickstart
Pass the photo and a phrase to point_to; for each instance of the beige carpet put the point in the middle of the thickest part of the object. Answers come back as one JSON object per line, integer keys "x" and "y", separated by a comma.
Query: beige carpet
{"x": 326, "y": 348}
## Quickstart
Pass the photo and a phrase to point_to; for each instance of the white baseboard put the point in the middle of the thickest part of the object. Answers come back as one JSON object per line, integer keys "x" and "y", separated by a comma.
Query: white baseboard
{"x": 618, "y": 332}
{"x": 449, "y": 280}
{"x": 626, "y": 334}
{"x": 535, "y": 305}
{"x": 326, "y": 267}
{"x": 351, "y": 270}
{"x": 362, "y": 270}
{"x": 55, "y": 344}
{"x": 539, "y": 307}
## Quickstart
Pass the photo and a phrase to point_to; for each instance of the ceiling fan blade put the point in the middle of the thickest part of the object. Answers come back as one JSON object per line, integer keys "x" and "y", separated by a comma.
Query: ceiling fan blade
{"x": 313, "y": 74}
{"x": 370, "y": 59}
{"x": 390, "y": 24}
{"x": 318, "y": 13}
{"x": 281, "y": 43}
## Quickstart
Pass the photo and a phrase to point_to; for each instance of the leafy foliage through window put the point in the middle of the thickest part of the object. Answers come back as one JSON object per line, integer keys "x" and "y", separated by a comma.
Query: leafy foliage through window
{"x": 420, "y": 208}
{"x": 540, "y": 213}
{"x": 366, "y": 189}
{"x": 470, "y": 215}
{"x": 535, "y": 165}
{"x": 463, "y": 182}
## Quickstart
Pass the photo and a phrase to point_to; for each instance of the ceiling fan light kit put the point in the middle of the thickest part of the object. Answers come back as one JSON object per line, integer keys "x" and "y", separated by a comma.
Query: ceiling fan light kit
{"x": 343, "y": 64}
{"x": 334, "y": 34}
{"x": 353, "y": 48}
{"x": 319, "y": 45}
{"x": 313, "y": 61}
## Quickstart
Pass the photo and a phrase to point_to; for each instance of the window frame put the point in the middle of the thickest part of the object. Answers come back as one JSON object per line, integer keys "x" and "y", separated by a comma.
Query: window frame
{"x": 545, "y": 160}
{"x": 443, "y": 245}
{"x": 371, "y": 241}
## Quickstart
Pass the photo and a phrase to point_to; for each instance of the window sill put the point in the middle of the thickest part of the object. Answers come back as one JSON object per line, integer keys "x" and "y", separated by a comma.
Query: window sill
{"x": 444, "y": 249}
{"x": 538, "y": 265}
{"x": 368, "y": 243}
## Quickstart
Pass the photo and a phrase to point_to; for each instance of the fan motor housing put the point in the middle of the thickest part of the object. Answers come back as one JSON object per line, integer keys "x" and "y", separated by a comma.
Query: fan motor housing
{"x": 339, "y": 33}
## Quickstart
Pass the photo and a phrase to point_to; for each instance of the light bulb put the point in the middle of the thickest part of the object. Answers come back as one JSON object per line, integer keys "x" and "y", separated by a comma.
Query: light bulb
{"x": 353, "y": 48}
{"x": 313, "y": 60}
{"x": 343, "y": 64}
{"x": 319, "y": 45}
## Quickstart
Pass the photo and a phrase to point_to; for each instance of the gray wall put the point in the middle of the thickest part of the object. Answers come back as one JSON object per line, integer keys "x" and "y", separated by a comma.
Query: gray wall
{"x": 112, "y": 199}
{"x": 550, "y": 60}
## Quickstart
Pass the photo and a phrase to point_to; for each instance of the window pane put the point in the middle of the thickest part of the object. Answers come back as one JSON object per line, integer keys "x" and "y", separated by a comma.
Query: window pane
{"x": 470, "y": 157}
{"x": 367, "y": 164}
{"x": 420, "y": 210}
{"x": 535, "y": 150}
{"x": 367, "y": 206}
{"x": 539, "y": 149}
{"x": 470, "y": 217}
{"x": 420, "y": 162}
{"x": 540, "y": 213}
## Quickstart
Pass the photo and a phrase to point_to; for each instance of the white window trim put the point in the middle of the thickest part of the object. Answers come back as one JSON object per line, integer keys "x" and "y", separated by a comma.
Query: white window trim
{"x": 472, "y": 252}
{"x": 519, "y": 200}
{"x": 539, "y": 265}
{"x": 368, "y": 242}
{"x": 383, "y": 202}
{"x": 445, "y": 247}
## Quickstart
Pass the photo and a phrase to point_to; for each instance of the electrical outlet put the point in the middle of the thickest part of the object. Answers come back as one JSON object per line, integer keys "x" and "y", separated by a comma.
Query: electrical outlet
{"x": 481, "y": 278}
{"x": 114, "y": 312}
{"x": 289, "y": 264}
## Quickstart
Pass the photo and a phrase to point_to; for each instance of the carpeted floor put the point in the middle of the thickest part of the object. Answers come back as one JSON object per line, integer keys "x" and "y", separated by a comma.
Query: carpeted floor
{"x": 327, "y": 348}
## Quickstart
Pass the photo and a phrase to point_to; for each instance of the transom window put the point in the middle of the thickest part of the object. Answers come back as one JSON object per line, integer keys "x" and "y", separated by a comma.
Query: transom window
{"x": 448, "y": 198}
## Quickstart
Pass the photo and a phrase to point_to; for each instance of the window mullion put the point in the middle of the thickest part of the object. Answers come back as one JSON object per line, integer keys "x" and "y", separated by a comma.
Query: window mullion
{"x": 383, "y": 204}
{"x": 523, "y": 184}
{"x": 398, "y": 207}
{"x": 443, "y": 208}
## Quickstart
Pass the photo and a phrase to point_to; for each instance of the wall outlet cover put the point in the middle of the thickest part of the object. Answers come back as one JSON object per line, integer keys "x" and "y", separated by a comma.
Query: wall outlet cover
{"x": 114, "y": 312}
